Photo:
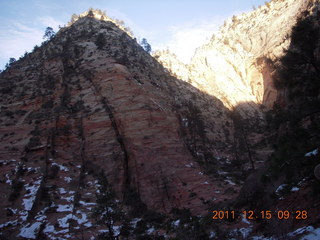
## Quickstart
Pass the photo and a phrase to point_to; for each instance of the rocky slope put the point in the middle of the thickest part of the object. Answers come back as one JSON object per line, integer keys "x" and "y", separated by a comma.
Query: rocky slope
{"x": 236, "y": 65}
{"x": 100, "y": 141}
{"x": 88, "y": 103}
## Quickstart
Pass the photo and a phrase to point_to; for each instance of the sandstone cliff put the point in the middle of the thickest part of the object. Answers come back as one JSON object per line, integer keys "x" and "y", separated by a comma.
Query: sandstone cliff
{"x": 88, "y": 102}
{"x": 236, "y": 65}
{"x": 90, "y": 113}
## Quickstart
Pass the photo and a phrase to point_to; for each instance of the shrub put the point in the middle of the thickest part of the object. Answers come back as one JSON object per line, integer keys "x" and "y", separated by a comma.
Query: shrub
{"x": 100, "y": 41}
{"x": 17, "y": 186}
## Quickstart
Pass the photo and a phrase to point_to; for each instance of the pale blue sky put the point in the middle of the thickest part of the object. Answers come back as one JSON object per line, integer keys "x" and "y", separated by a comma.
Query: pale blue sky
{"x": 180, "y": 25}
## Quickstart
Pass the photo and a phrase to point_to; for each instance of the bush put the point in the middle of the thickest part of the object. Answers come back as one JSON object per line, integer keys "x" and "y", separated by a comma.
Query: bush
{"x": 17, "y": 186}
{"x": 100, "y": 41}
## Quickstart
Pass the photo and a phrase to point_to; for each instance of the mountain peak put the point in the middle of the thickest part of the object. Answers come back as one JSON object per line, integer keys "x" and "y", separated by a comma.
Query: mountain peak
{"x": 100, "y": 15}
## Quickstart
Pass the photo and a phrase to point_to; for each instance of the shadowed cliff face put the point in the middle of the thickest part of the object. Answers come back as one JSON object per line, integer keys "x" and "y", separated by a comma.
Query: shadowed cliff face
{"x": 78, "y": 107}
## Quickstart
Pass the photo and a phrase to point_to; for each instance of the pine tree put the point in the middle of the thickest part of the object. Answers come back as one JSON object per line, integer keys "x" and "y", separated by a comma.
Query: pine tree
{"x": 107, "y": 211}
{"x": 145, "y": 45}
{"x": 49, "y": 33}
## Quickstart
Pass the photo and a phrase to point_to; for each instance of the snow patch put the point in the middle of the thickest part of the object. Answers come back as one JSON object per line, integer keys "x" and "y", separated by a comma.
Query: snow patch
{"x": 222, "y": 172}
{"x": 67, "y": 179}
{"x": 62, "y": 168}
{"x": 150, "y": 230}
{"x": 10, "y": 223}
{"x": 312, "y": 153}
{"x": 30, "y": 231}
{"x": 64, "y": 222}
{"x": 134, "y": 222}
{"x": 176, "y": 223}
{"x": 244, "y": 220}
{"x": 87, "y": 203}
{"x": 229, "y": 182}
{"x": 245, "y": 232}
{"x": 280, "y": 188}
{"x": 313, "y": 234}
{"x": 212, "y": 235}
{"x": 295, "y": 189}
{"x": 189, "y": 165}
{"x": 32, "y": 192}
{"x": 262, "y": 238}
{"x": 64, "y": 208}
{"x": 62, "y": 191}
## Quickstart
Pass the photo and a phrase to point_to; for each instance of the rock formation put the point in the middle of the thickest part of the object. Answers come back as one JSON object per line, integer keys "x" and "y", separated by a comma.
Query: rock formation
{"x": 100, "y": 140}
{"x": 91, "y": 101}
{"x": 236, "y": 65}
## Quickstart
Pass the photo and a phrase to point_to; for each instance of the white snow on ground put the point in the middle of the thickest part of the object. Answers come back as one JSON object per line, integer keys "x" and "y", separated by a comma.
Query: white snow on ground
{"x": 64, "y": 222}
{"x": 312, "y": 153}
{"x": 32, "y": 191}
{"x": 301, "y": 182}
{"x": 189, "y": 165}
{"x": 8, "y": 181}
{"x": 83, "y": 218}
{"x": 134, "y": 222}
{"x": 30, "y": 230}
{"x": 14, "y": 211}
{"x": 313, "y": 234}
{"x": 176, "y": 223}
{"x": 279, "y": 189}
{"x": 205, "y": 182}
{"x": 245, "y": 220}
{"x": 6, "y": 162}
{"x": 116, "y": 230}
{"x": 245, "y": 232}
{"x": 222, "y": 172}
{"x": 88, "y": 205}
{"x": 150, "y": 230}
{"x": 62, "y": 191}
{"x": 262, "y": 238}
{"x": 23, "y": 215}
{"x": 295, "y": 189}
{"x": 11, "y": 223}
{"x": 229, "y": 182}
{"x": 62, "y": 168}
{"x": 64, "y": 208}
{"x": 50, "y": 231}
{"x": 212, "y": 235}
{"x": 309, "y": 232}
{"x": 67, "y": 179}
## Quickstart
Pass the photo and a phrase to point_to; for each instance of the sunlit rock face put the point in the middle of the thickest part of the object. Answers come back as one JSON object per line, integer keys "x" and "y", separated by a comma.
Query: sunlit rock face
{"x": 236, "y": 64}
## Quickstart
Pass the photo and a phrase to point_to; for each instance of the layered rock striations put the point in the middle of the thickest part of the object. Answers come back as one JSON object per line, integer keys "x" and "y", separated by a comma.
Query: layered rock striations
{"x": 88, "y": 103}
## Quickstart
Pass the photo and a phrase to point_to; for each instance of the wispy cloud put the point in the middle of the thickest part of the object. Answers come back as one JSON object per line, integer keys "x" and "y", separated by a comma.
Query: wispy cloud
{"x": 17, "y": 37}
{"x": 48, "y": 21}
{"x": 186, "y": 38}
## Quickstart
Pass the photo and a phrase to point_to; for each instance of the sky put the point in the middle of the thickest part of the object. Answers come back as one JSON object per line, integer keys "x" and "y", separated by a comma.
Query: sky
{"x": 179, "y": 25}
